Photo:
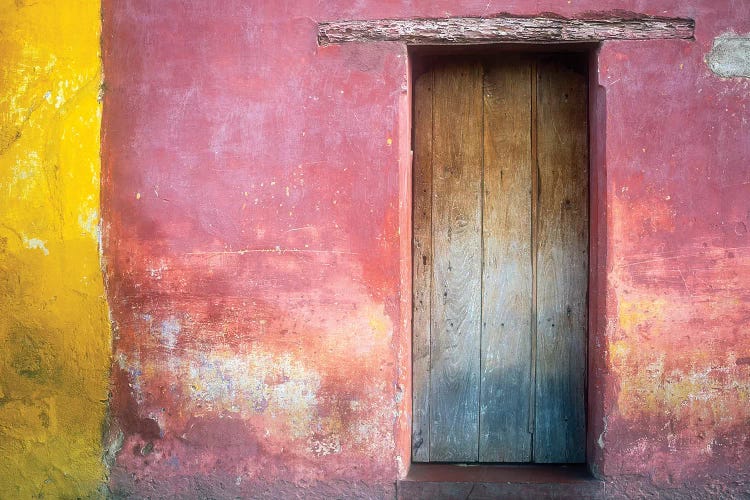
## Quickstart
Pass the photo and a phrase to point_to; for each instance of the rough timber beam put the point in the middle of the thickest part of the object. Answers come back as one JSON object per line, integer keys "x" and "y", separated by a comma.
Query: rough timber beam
{"x": 475, "y": 30}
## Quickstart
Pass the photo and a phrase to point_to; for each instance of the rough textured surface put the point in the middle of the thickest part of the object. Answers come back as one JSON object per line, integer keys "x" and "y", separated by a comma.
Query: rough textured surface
{"x": 507, "y": 274}
{"x": 412, "y": 490}
{"x": 561, "y": 240}
{"x": 730, "y": 56}
{"x": 456, "y": 263}
{"x": 54, "y": 330}
{"x": 484, "y": 372}
{"x": 675, "y": 382}
{"x": 257, "y": 244}
{"x": 422, "y": 266}
{"x": 489, "y": 482}
{"x": 252, "y": 249}
{"x": 463, "y": 30}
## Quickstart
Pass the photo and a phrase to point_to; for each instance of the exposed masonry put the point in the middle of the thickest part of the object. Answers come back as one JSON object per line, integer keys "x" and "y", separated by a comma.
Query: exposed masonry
{"x": 465, "y": 30}
{"x": 730, "y": 56}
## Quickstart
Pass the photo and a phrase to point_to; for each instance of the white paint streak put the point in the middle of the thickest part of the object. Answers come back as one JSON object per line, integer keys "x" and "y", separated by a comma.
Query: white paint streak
{"x": 170, "y": 331}
{"x": 89, "y": 222}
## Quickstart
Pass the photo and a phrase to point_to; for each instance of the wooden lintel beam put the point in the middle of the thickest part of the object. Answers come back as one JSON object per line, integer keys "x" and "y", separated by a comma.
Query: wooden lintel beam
{"x": 475, "y": 30}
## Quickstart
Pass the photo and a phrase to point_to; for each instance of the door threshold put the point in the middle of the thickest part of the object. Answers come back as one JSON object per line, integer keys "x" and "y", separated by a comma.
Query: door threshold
{"x": 499, "y": 481}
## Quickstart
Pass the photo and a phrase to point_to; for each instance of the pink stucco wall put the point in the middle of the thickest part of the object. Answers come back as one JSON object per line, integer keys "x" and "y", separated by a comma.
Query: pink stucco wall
{"x": 257, "y": 241}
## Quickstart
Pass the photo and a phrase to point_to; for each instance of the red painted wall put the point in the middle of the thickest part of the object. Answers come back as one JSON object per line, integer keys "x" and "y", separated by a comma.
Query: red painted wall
{"x": 257, "y": 242}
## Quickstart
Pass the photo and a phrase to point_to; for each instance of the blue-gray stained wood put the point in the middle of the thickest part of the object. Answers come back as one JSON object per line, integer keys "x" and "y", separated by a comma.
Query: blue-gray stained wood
{"x": 562, "y": 263}
{"x": 421, "y": 267}
{"x": 506, "y": 274}
{"x": 457, "y": 263}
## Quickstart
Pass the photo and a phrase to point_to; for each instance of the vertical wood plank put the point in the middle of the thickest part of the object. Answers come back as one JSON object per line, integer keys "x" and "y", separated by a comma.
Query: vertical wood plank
{"x": 562, "y": 264}
{"x": 457, "y": 263}
{"x": 534, "y": 244}
{"x": 506, "y": 273}
{"x": 421, "y": 267}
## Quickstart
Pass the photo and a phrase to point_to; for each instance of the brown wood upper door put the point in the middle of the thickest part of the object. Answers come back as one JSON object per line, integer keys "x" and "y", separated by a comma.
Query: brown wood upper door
{"x": 500, "y": 261}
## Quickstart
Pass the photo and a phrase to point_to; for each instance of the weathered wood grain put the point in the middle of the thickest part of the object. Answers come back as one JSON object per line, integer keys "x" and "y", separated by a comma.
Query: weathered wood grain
{"x": 464, "y": 30}
{"x": 506, "y": 274}
{"x": 500, "y": 262}
{"x": 562, "y": 264}
{"x": 421, "y": 267}
{"x": 534, "y": 242}
{"x": 456, "y": 240}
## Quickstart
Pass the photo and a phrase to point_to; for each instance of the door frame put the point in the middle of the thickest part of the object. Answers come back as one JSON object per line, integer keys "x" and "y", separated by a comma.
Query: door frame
{"x": 596, "y": 303}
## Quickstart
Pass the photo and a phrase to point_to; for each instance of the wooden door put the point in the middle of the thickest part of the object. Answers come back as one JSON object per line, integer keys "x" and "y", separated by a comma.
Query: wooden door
{"x": 500, "y": 261}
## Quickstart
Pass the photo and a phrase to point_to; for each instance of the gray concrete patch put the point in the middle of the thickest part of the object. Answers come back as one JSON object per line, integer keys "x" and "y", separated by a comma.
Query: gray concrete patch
{"x": 730, "y": 56}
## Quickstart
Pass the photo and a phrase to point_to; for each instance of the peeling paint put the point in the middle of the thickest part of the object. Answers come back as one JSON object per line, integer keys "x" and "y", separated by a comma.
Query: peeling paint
{"x": 35, "y": 243}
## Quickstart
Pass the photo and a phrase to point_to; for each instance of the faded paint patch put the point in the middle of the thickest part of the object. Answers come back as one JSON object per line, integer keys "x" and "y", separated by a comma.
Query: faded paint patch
{"x": 251, "y": 383}
{"x": 652, "y": 386}
{"x": 54, "y": 328}
{"x": 309, "y": 384}
{"x": 634, "y": 314}
{"x": 170, "y": 331}
{"x": 679, "y": 305}
{"x": 679, "y": 393}
{"x": 730, "y": 56}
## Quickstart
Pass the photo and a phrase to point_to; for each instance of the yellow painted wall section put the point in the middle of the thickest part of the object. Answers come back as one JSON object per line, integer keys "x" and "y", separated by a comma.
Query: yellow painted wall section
{"x": 55, "y": 340}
